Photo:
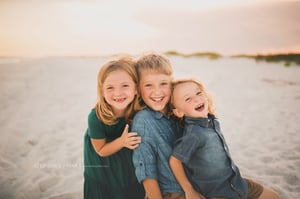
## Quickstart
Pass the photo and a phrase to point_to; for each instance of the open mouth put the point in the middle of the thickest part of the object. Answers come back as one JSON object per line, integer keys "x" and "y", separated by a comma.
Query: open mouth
{"x": 119, "y": 99}
{"x": 200, "y": 107}
{"x": 157, "y": 99}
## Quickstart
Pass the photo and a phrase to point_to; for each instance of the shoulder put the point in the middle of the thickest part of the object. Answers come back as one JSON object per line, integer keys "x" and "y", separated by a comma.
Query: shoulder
{"x": 143, "y": 115}
{"x": 92, "y": 117}
{"x": 143, "y": 112}
{"x": 92, "y": 113}
{"x": 217, "y": 121}
{"x": 143, "y": 121}
{"x": 140, "y": 118}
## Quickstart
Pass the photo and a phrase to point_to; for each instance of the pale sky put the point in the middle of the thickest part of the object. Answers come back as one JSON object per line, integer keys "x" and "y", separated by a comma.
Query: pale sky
{"x": 103, "y": 27}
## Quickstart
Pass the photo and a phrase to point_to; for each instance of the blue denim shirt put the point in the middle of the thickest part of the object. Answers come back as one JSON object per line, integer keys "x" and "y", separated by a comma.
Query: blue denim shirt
{"x": 207, "y": 161}
{"x": 151, "y": 158}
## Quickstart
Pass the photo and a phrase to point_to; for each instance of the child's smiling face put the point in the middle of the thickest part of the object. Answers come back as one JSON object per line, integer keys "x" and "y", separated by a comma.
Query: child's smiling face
{"x": 119, "y": 91}
{"x": 155, "y": 89}
{"x": 190, "y": 100}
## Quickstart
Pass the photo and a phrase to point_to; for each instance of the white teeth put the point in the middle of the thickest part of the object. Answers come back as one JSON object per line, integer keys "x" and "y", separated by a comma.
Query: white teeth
{"x": 157, "y": 99}
{"x": 199, "y": 106}
{"x": 119, "y": 99}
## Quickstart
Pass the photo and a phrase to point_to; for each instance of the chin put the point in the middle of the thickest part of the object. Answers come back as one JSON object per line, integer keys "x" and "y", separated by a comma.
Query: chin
{"x": 158, "y": 108}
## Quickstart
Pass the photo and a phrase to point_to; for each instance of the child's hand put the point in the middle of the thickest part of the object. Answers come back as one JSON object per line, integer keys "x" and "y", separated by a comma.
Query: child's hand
{"x": 130, "y": 140}
{"x": 193, "y": 195}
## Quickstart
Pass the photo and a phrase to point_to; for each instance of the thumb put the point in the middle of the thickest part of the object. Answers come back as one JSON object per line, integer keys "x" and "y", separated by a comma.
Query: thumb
{"x": 126, "y": 129}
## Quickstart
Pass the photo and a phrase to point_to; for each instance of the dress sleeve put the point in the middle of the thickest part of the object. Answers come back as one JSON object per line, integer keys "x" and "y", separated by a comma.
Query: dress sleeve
{"x": 95, "y": 126}
{"x": 144, "y": 157}
{"x": 185, "y": 147}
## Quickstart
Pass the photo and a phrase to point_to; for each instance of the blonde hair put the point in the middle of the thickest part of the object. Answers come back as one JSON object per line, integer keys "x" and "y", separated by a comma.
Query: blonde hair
{"x": 154, "y": 62}
{"x": 211, "y": 107}
{"x": 103, "y": 109}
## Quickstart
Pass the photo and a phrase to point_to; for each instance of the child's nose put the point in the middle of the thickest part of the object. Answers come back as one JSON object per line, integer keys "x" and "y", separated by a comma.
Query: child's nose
{"x": 196, "y": 99}
{"x": 118, "y": 91}
{"x": 157, "y": 90}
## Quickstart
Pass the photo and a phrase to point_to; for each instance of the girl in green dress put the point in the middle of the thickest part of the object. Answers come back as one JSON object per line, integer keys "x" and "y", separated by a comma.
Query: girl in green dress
{"x": 108, "y": 143}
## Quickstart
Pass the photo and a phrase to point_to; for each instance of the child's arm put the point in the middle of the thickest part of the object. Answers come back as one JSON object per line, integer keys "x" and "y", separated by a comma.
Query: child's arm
{"x": 179, "y": 173}
{"x": 127, "y": 139}
{"x": 152, "y": 188}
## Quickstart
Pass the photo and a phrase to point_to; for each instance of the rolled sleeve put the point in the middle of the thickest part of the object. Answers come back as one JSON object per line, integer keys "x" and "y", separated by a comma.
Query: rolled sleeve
{"x": 144, "y": 163}
{"x": 144, "y": 157}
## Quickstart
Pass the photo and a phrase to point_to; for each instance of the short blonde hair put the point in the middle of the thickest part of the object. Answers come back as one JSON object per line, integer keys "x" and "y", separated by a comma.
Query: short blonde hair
{"x": 211, "y": 107}
{"x": 154, "y": 62}
{"x": 103, "y": 109}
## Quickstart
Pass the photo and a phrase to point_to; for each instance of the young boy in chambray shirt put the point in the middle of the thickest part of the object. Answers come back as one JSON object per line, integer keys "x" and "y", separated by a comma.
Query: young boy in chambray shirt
{"x": 157, "y": 130}
{"x": 201, "y": 160}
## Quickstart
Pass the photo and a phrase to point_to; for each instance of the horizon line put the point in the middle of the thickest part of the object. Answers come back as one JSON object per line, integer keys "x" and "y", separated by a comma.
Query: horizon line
{"x": 170, "y": 52}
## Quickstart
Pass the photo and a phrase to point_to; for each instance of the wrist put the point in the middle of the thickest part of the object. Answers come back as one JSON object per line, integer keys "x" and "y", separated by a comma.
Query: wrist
{"x": 120, "y": 142}
{"x": 188, "y": 188}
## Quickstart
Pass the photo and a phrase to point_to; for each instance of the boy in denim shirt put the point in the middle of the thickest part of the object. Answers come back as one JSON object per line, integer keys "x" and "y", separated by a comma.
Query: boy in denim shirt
{"x": 201, "y": 160}
{"x": 157, "y": 130}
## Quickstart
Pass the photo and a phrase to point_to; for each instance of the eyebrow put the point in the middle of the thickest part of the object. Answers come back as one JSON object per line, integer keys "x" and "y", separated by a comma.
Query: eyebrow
{"x": 188, "y": 95}
{"x": 127, "y": 82}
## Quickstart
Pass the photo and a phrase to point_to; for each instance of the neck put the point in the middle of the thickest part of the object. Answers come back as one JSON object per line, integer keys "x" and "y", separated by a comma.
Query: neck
{"x": 119, "y": 113}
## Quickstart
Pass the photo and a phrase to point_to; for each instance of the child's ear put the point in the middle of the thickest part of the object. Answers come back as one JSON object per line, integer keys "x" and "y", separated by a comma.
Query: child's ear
{"x": 178, "y": 113}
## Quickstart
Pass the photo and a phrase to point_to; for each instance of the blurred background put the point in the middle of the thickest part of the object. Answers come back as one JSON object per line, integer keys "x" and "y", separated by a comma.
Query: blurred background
{"x": 51, "y": 51}
{"x": 103, "y": 27}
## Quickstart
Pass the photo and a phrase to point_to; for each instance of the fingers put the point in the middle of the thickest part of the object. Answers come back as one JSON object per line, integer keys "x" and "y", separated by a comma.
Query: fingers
{"x": 133, "y": 146}
{"x": 132, "y": 134}
{"x": 133, "y": 140}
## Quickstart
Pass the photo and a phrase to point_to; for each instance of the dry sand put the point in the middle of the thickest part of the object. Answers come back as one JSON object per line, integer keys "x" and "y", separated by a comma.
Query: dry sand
{"x": 44, "y": 105}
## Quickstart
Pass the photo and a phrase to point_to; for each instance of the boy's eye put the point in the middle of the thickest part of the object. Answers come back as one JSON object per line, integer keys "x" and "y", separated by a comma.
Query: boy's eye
{"x": 109, "y": 88}
{"x": 125, "y": 85}
{"x": 199, "y": 93}
{"x": 148, "y": 85}
{"x": 187, "y": 99}
{"x": 164, "y": 83}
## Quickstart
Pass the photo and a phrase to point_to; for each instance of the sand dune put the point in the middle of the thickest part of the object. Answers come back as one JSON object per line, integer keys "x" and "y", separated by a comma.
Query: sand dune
{"x": 45, "y": 102}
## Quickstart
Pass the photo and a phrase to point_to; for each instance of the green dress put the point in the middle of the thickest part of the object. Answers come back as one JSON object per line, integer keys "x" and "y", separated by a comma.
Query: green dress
{"x": 109, "y": 177}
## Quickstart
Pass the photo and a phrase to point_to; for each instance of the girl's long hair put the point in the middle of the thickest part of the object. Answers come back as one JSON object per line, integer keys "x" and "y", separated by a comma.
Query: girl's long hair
{"x": 103, "y": 109}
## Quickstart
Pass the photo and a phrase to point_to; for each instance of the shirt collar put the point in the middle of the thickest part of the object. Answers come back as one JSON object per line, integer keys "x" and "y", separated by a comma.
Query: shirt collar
{"x": 156, "y": 114}
{"x": 204, "y": 122}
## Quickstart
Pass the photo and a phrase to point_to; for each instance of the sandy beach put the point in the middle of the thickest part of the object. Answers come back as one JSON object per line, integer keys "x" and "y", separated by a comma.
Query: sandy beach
{"x": 44, "y": 105}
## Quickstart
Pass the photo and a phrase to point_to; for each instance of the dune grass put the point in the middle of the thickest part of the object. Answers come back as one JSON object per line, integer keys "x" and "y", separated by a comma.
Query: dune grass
{"x": 210, "y": 55}
{"x": 287, "y": 59}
